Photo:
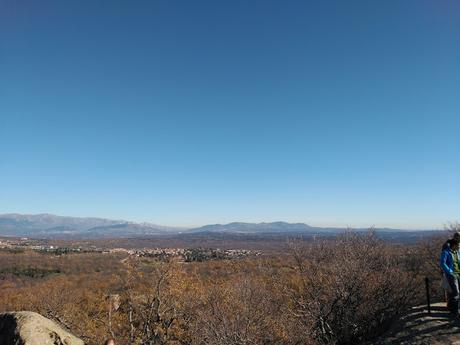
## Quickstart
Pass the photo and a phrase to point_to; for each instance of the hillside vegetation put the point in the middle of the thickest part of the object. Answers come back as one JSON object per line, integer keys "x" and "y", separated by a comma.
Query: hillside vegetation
{"x": 344, "y": 290}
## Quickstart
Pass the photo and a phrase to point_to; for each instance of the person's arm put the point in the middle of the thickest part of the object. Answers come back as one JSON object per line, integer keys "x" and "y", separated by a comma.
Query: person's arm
{"x": 443, "y": 263}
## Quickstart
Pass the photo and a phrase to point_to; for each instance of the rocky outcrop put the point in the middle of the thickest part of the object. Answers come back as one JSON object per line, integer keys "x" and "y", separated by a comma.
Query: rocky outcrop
{"x": 420, "y": 328}
{"x": 29, "y": 328}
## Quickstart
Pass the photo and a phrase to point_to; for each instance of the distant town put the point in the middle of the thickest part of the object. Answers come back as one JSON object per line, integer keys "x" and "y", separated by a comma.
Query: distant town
{"x": 179, "y": 254}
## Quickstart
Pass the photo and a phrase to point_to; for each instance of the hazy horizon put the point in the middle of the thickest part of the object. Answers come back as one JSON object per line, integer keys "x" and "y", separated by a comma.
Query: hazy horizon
{"x": 254, "y": 221}
{"x": 190, "y": 113}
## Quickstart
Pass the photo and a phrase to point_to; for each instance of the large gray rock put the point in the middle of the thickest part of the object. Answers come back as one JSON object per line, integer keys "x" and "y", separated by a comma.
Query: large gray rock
{"x": 29, "y": 328}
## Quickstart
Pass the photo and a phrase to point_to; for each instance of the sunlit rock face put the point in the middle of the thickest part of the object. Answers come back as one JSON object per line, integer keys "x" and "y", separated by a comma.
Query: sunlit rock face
{"x": 29, "y": 328}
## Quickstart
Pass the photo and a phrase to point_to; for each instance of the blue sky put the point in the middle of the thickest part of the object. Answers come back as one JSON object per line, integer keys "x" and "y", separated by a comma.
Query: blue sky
{"x": 342, "y": 113}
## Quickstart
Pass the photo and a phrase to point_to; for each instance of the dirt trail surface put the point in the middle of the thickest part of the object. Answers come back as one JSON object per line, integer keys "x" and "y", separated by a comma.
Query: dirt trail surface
{"x": 420, "y": 328}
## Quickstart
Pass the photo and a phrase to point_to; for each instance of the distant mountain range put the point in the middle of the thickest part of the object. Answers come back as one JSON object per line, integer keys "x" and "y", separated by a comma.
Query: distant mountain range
{"x": 52, "y": 226}
{"x": 49, "y": 225}
{"x": 238, "y": 227}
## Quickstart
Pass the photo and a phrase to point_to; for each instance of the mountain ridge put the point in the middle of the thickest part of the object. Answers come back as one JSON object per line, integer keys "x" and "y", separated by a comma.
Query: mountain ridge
{"x": 47, "y": 225}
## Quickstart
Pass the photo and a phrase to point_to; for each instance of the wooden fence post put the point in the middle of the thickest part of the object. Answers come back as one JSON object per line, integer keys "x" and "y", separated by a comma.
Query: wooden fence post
{"x": 427, "y": 288}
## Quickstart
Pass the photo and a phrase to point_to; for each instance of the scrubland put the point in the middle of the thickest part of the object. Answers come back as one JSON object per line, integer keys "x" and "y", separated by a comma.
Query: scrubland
{"x": 344, "y": 290}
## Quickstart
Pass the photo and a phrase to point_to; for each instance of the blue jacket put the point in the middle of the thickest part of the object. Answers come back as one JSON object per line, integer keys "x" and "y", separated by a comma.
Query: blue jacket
{"x": 447, "y": 262}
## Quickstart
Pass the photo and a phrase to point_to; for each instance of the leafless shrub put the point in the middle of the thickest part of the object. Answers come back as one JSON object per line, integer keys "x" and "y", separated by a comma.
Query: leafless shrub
{"x": 347, "y": 289}
{"x": 236, "y": 314}
{"x": 452, "y": 227}
{"x": 147, "y": 307}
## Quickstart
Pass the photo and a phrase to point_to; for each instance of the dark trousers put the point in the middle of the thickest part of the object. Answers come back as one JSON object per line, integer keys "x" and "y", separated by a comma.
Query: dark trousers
{"x": 454, "y": 296}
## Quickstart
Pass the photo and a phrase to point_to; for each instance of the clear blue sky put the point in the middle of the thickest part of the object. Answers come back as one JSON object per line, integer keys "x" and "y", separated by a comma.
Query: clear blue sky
{"x": 193, "y": 112}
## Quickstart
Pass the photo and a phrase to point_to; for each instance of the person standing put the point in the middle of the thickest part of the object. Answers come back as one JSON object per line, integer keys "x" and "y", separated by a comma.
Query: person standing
{"x": 450, "y": 264}
{"x": 456, "y": 236}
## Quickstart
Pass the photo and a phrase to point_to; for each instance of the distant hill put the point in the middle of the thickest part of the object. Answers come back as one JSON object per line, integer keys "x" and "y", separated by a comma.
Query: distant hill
{"x": 258, "y": 228}
{"x": 238, "y": 227}
{"x": 294, "y": 228}
{"x": 48, "y": 225}
{"x": 52, "y": 226}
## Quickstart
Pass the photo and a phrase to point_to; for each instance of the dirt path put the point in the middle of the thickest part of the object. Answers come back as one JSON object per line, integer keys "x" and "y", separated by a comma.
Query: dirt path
{"x": 419, "y": 328}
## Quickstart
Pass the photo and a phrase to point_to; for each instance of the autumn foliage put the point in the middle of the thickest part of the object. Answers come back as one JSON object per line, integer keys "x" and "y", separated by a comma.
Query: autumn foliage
{"x": 338, "y": 291}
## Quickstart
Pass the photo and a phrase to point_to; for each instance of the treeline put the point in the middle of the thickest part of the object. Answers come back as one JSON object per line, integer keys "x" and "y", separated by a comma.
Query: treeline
{"x": 32, "y": 272}
{"x": 341, "y": 291}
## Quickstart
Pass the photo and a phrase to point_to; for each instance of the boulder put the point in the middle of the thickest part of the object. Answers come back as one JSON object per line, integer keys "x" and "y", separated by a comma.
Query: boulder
{"x": 29, "y": 328}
